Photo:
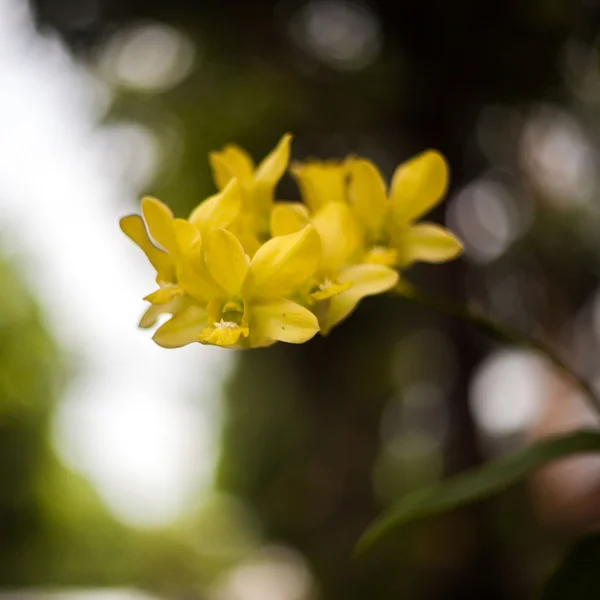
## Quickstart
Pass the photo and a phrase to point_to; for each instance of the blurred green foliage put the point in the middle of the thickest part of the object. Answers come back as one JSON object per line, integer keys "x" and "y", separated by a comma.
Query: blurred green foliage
{"x": 53, "y": 527}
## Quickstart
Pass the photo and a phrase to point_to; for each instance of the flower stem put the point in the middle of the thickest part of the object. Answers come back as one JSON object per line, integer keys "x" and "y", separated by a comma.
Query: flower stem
{"x": 500, "y": 332}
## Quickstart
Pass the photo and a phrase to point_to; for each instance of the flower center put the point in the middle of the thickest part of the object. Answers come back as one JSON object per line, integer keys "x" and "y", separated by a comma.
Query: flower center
{"x": 226, "y": 323}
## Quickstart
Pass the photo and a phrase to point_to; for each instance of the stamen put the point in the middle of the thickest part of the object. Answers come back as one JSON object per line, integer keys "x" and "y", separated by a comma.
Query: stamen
{"x": 226, "y": 324}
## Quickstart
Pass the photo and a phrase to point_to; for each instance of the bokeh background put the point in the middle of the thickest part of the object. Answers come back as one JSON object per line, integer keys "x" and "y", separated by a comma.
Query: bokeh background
{"x": 128, "y": 471}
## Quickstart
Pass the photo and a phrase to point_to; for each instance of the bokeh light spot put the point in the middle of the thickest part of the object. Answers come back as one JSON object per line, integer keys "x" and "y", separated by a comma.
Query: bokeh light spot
{"x": 558, "y": 157}
{"x": 344, "y": 35}
{"x": 149, "y": 57}
{"x": 274, "y": 573}
{"x": 487, "y": 218}
{"x": 508, "y": 392}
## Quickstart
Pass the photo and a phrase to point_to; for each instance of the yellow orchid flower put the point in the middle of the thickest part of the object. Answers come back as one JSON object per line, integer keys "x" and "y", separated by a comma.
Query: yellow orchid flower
{"x": 388, "y": 220}
{"x": 215, "y": 294}
{"x": 257, "y": 187}
{"x": 339, "y": 284}
{"x": 224, "y": 284}
{"x": 249, "y": 306}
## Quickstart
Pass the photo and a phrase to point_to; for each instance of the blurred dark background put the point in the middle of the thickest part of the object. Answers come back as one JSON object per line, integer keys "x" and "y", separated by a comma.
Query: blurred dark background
{"x": 316, "y": 440}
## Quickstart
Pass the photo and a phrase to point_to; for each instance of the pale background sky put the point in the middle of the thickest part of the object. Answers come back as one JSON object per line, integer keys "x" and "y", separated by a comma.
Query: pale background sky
{"x": 138, "y": 420}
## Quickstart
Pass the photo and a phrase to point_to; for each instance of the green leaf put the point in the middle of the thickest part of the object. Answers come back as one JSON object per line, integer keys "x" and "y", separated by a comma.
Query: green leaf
{"x": 477, "y": 484}
{"x": 578, "y": 577}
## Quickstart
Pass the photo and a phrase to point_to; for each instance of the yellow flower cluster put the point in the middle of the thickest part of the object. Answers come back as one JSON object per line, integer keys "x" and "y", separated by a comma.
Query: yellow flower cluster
{"x": 244, "y": 271}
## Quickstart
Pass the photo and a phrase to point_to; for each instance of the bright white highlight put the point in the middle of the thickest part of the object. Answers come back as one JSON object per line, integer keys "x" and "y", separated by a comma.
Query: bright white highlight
{"x": 272, "y": 574}
{"x": 150, "y": 57}
{"x": 508, "y": 391}
{"x": 137, "y": 418}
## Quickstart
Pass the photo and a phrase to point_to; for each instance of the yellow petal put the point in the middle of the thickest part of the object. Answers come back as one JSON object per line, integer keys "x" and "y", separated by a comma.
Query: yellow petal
{"x": 272, "y": 168}
{"x": 182, "y": 328}
{"x": 154, "y": 311}
{"x": 341, "y": 239}
{"x": 134, "y": 228}
{"x": 428, "y": 243}
{"x": 164, "y": 294}
{"x": 151, "y": 315}
{"x": 226, "y": 260}
{"x": 231, "y": 161}
{"x": 197, "y": 283}
{"x": 192, "y": 275}
{"x": 159, "y": 219}
{"x": 219, "y": 210}
{"x": 260, "y": 196}
{"x": 187, "y": 236}
{"x": 418, "y": 185}
{"x": 189, "y": 241}
{"x": 321, "y": 182}
{"x": 285, "y": 263}
{"x": 249, "y": 241}
{"x": 246, "y": 229}
{"x": 281, "y": 320}
{"x": 367, "y": 194}
{"x": 288, "y": 217}
{"x": 366, "y": 280}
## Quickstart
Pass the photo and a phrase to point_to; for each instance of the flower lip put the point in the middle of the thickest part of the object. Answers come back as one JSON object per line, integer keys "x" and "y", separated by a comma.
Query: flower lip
{"x": 227, "y": 325}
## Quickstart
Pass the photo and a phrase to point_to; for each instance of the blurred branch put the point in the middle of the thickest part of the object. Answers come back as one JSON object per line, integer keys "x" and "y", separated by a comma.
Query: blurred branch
{"x": 500, "y": 332}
